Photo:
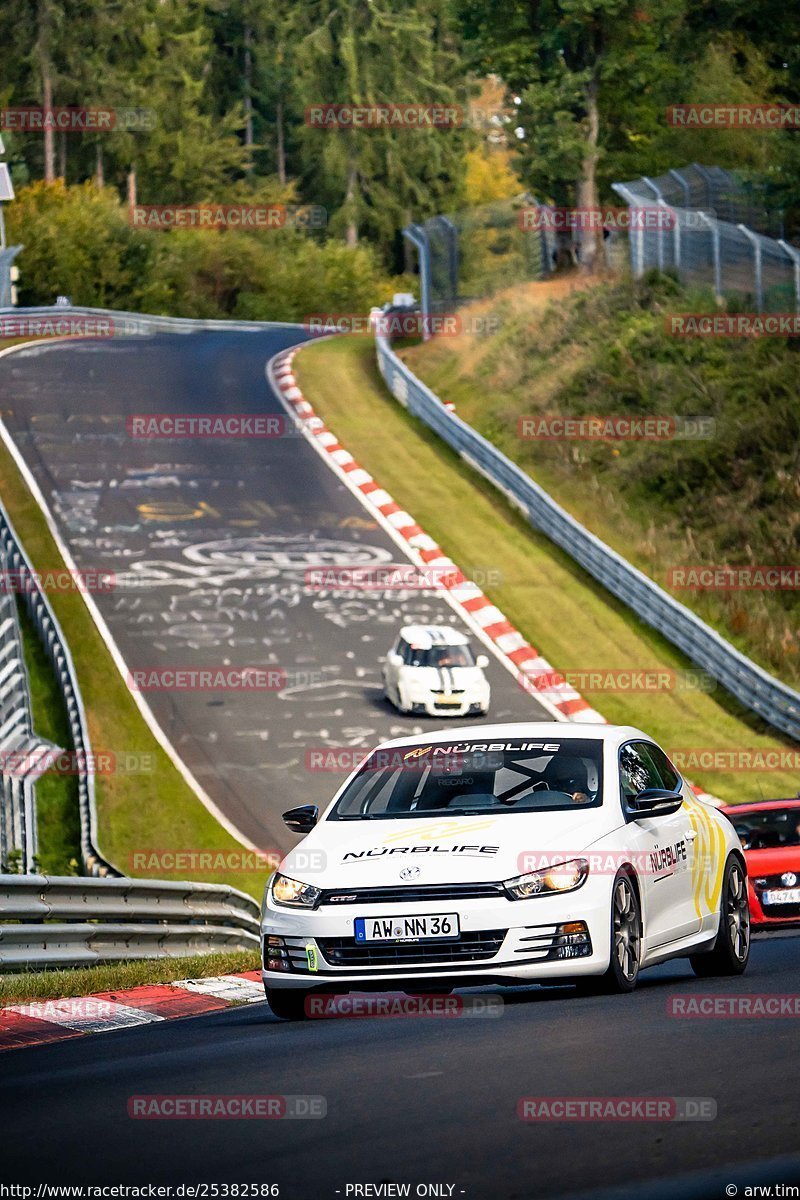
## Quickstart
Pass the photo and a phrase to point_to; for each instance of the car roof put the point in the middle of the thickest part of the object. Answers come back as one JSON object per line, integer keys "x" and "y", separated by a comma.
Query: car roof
{"x": 534, "y": 730}
{"x": 755, "y": 806}
{"x": 422, "y": 637}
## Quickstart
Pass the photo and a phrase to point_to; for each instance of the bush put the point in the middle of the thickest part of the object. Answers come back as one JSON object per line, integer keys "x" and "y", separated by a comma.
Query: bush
{"x": 78, "y": 242}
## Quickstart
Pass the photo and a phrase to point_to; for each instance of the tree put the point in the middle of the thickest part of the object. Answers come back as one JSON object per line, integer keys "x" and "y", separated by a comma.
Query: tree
{"x": 563, "y": 58}
{"x": 372, "y": 52}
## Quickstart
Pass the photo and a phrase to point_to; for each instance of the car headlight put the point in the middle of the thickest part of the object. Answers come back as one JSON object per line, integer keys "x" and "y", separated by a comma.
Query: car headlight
{"x": 292, "y": 893}
{"x": 564, "y": 877}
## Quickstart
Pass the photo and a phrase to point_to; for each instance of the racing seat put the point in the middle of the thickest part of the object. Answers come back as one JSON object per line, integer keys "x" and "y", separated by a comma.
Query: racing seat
{"x": 477, "y": 788}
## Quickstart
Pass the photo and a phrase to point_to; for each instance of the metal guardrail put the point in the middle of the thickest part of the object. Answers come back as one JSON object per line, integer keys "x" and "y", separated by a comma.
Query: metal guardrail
{"x": 130, "y": 324}
{"x": 755, "y": 688}
{"x": 66, "y": 921}
{"x": 24, "y": 756}
{"x": 57, "y": 650}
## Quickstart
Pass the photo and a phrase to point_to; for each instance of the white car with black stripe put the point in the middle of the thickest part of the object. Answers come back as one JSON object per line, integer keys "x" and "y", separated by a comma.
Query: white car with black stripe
{"x": 431, "y": 670}
{"x": 512, "y": 854}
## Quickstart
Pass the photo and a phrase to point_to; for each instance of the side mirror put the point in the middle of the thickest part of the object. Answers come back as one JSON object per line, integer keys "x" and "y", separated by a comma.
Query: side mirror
{"x": 657, "y": 802}
{"x": 394, "y": 660}
{"x": 302, "y": 819}
{"x": 482, "y": 661}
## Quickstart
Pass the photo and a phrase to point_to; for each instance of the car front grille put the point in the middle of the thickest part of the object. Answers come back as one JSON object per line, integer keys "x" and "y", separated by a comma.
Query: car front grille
{"x": 474, "y": 946}
{"x": 412, "y": 895}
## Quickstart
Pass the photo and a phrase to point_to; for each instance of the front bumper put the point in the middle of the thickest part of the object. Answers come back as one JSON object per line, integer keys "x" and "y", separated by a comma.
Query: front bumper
{"x": 501, "y": 941}
{"x": 435, "y": 706}
{"x": 775, "y": 916}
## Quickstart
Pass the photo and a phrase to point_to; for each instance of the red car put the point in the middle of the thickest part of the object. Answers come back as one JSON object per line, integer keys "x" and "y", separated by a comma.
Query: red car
{"x": 770, "y": 835}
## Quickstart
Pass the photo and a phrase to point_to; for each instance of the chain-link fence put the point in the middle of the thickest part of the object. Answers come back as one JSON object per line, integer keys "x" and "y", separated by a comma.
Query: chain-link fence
{"x": 714, "y": 232}
{"x": 474, "y": 253}
{"x": 712, "y": 229}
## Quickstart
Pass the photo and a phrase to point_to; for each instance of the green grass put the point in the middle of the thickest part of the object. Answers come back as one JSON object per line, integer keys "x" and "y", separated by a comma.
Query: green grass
{"x": 111, "y": 977}
{"x": 563, "y": 613}
{"x": 57, "y": 812}
{"x": 729, "y": 498}
{"x": 154, "y": 810}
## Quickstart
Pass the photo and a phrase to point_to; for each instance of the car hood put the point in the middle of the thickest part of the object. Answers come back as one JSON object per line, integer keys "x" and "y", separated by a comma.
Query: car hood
{"x": 772, "y": 862}
{"x": 437, "y": 677}
{"x": 442, "y": 849}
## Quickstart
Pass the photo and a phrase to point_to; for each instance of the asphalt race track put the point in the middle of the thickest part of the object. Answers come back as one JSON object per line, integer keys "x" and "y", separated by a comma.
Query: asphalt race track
{"x": 425, "y": 1100}
{"x": 209, "y": 540}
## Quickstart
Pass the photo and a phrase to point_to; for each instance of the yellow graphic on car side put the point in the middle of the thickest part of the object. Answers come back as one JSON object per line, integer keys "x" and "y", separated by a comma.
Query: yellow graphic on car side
{"x": 708, "y": 863}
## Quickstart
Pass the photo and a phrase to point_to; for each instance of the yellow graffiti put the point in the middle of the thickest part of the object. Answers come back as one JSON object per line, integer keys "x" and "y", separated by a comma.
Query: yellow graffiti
{"x": 175, "y": 510}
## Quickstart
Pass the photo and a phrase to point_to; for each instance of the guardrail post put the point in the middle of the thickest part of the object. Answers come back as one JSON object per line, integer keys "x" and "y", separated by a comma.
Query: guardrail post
{"x": 756, "y": 244}
{"x": 419, "y": 238}
{"x": 714, "y": 227}
{"x": 687, "y": 191}
{"x": 659, "y": 232}
{"x": 794, "y": 255}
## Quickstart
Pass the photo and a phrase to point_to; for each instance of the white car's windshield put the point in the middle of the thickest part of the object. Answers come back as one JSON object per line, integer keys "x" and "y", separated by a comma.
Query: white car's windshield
{"x": 470, "y": 778}
{"x": 440, "y": 656}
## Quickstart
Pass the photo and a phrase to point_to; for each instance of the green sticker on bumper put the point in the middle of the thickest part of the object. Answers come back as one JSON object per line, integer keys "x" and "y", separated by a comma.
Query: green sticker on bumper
{"x": 311, "y": 958}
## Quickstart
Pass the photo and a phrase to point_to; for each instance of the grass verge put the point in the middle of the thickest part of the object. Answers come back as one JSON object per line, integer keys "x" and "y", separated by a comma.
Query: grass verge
{"x": 111, "y": 977}
{"x": 565, "y": 614}
{"x": 152, "y": 811}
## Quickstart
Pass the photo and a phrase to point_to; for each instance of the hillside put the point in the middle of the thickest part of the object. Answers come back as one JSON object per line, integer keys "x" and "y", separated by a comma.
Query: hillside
{"x": 728, "y": 498}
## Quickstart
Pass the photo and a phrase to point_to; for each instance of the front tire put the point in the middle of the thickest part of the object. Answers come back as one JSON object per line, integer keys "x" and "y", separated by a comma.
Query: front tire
{"x": 731, "y": 950}
{"x": 626, "y": 943}
{"x": 289, "y": 1004}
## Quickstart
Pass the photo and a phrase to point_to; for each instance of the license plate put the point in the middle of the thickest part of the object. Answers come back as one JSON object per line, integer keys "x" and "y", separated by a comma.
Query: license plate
{"x": 782, "y": 896}
{"x": 406, "y": 929}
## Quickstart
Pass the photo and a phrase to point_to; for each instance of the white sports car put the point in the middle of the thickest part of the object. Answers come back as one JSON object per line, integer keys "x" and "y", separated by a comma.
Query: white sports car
{"x": 431, "y": 671}
{"x": 510, "y": 854}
